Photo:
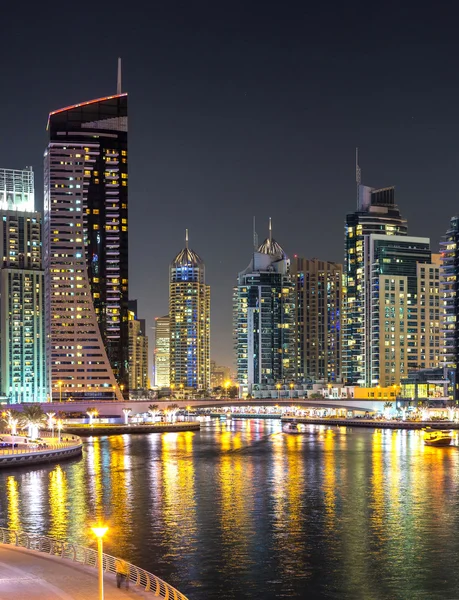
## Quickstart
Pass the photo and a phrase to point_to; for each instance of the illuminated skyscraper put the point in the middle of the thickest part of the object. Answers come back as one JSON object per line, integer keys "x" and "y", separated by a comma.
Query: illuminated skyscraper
{"x": 396, "y": 341}
{"x": 22, "y": 331}
{"x": 162, "y": 351}
{"x": 376, "y": 213}
{"x": 449, "y": 295}
{"x": 138, "y": 350}
{"x": 318, "y": 308}
{"x": 263, "y": 316}
{"x": 86, "y": 248}
{"x": 189, "y": 313}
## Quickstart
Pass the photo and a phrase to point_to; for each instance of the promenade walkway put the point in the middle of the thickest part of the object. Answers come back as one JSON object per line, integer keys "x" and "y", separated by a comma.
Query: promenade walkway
{"x": 28, "y": 575}
{"x": 35, "y": 567}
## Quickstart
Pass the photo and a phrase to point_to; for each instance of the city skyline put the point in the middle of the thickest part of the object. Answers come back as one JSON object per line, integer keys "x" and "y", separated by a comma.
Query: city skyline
{"x": 264, "y": 125}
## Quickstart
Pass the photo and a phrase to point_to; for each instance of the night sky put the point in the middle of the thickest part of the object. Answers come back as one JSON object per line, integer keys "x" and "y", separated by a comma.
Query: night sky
{"x": 245, "y": 108}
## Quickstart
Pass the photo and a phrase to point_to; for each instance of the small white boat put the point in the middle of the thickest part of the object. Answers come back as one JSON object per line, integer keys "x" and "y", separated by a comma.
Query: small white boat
{"x": 292, "y": 427}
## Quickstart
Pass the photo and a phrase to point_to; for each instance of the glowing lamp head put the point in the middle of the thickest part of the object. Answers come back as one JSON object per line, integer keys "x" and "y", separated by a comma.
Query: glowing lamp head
{"x": 99, "y": 531}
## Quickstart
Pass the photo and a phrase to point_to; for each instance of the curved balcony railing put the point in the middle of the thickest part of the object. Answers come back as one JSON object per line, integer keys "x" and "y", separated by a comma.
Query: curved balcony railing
{"x": 88, "y": 556}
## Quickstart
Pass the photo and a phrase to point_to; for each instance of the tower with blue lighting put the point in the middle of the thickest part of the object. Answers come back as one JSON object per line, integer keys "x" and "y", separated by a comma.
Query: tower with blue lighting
{"x": 263, "y": 318}
{"x": 189, "y": 312}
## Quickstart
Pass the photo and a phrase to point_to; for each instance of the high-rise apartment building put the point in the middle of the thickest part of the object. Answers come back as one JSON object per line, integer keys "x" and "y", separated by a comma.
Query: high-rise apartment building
{"x": 189, "y": 313}
{"x": 317, "y": 330}
{"x": 86, "y": 248}
{"x": 138, "y": 350}
{"x": 162, "y": 351}
{"x": 395, "y": 341}
{"x": 263, "y": 309}
{"x": 449, "y": 297}
{"x": 430, "y": 339}
{"x": 376, "y": 213}
{"x": 17, "y": 191}
{"x": 22, "y": 325}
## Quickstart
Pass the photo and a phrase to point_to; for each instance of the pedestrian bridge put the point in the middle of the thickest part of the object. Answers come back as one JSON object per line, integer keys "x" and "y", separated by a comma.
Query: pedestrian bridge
{"x": 115, "y": 409}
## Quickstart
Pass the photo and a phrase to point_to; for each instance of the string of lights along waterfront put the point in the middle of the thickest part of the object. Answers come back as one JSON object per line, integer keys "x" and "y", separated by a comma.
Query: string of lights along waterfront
{"x": 242, "y": 510}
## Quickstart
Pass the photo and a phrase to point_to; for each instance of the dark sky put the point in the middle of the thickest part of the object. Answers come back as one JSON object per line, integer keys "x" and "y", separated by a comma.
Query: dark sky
{"x": 246, "y": 108}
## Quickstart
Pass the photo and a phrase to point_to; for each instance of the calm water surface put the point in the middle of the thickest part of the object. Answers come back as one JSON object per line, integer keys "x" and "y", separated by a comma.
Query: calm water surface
{"x": 241, "y": 510}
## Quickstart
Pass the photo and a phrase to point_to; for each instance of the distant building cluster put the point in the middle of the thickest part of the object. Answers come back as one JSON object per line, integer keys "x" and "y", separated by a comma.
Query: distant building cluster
{"x": 68, "y": 329}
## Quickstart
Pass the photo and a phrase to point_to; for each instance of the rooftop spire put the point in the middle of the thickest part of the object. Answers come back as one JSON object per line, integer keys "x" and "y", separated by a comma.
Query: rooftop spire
{"x": 255, "y": 236}
{"x": 118, "y": 83}
{"x": 358, "y": 175}
{"x": 186, "y": 238}
{"x": 270, "y": 230}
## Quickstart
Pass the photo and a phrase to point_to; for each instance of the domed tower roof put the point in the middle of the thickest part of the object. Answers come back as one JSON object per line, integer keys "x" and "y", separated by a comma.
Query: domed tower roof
{"x": 187, "y": 257}
{"x": 271, "y": 247}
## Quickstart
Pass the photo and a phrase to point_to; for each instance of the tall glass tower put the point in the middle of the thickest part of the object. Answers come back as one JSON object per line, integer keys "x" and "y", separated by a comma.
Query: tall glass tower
{"x": 263, "y": 309}
{"x": 449, "y": 295}
{"x": 189, "y": 314}
{"x": 86, "y": 248}
{"x": 376, "y": 213}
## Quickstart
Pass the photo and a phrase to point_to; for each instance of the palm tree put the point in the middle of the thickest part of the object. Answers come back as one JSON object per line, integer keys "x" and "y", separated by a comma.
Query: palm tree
{"x": 126, "y": 412}
{"x": 387, "y": 409}
{"x": 13, "y": 420}
{"x": 51, "y": 421}
{"x": 173, "y": 410}
{"x": 34, "y": 419}
{"x": 92, "y": 412}
{"x": 153, "y": 410}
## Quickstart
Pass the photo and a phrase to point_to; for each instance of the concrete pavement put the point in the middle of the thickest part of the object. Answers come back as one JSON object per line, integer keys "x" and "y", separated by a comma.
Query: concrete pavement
{"x": 29, "y": 575}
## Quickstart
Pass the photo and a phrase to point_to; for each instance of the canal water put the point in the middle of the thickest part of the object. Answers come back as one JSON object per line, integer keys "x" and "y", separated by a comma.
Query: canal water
{"x": 241, "y": 510}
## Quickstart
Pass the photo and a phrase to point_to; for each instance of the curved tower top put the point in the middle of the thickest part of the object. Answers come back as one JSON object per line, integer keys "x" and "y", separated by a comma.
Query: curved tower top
{"x": 187, "y": 257}
{"x": 271, "y": 247}
{"x": 109, "y": 112}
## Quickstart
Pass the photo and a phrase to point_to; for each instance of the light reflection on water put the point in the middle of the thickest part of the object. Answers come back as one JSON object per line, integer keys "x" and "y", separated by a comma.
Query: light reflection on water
{"x": 242, "y": 510}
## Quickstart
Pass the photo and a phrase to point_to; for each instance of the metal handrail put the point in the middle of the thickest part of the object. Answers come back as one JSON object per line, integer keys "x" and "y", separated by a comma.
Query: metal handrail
{"x": 88, "y": 556}
{"x": 28, "y": 449}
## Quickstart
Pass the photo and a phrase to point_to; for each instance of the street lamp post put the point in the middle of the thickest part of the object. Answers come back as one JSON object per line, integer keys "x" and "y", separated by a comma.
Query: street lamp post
{"x": 227, "y": 384}
{"x": 292, "y": 385}
{"x": 278, "y": 386}
{"x": 59, "y": 383}
{"x": 99, "y": 532}
{"x": 59, "y": 424}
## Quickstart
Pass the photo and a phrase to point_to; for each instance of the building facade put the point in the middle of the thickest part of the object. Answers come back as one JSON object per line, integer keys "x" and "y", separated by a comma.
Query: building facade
{"x": 263, "y": 318}
{"x": 138, "y": 350}
{"x": 430, "y": 339}
{"x": 317, "y": 322}
{"x": 395, "y": 340}
{"x": 162, "y": 352}
{"x": 449, "y": 298}
{"x": 17, "y": 190}
{"x": 22, "y": 322}
{"x": 86, "y": 249}
{"x": 376, "y": 213}
{"x": 219, "y": 375}
{"x": 189, "y": 313}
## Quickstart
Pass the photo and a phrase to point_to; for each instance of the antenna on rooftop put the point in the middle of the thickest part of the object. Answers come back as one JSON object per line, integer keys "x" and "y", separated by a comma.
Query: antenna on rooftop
{"x": 270, "y": 230}
{"x": 358, "y": 175}
{"x": 255, "y": 236}
{"x": 118, "y": 82}
{"x": 186, "y": 238}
